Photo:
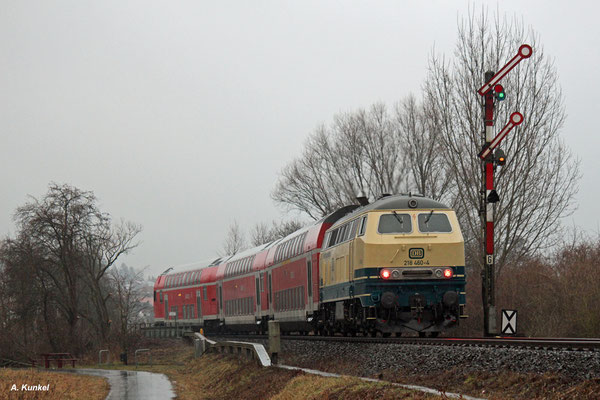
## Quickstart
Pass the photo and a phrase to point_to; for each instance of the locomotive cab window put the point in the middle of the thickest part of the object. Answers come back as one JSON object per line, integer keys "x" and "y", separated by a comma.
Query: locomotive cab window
{"x": 432, "y": 222}
{"x": 394, "y": 223}
{"x": 363, "y": 226}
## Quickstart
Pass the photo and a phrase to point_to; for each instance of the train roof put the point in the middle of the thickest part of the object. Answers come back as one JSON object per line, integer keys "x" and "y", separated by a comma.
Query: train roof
{"x": 396, "y": 202}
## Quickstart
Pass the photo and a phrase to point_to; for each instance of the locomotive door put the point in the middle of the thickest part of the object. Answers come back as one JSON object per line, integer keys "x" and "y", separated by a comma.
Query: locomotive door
{"x": 351, "y": 267}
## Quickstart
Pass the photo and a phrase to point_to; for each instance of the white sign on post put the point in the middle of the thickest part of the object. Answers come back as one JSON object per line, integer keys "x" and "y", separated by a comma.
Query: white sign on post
{"x": 509, "y": 322}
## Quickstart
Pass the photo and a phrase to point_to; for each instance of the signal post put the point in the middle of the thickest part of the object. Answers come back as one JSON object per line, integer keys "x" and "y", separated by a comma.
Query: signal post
{"x": 492, "y": 90}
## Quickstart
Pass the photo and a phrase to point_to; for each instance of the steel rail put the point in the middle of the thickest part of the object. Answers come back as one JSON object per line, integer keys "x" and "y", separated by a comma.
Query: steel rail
{"x": 522, "y": 342}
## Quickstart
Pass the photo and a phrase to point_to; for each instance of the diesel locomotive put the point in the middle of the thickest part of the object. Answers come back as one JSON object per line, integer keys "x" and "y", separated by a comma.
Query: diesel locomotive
{"x": 393, "y": 266}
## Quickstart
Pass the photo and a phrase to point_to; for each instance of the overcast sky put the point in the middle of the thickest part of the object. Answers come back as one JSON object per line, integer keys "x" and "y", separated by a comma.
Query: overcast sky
{"x": 179, "y": 115}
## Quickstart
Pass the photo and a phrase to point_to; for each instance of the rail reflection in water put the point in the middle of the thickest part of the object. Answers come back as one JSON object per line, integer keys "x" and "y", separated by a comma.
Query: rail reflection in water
{"x": 133, "y": 385}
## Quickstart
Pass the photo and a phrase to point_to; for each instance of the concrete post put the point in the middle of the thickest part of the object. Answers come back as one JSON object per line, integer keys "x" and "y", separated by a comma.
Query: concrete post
{"x": 274, "y": 340}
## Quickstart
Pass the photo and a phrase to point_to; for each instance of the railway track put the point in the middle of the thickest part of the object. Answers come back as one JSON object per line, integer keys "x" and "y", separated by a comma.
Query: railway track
{"x": 579, "y": 344}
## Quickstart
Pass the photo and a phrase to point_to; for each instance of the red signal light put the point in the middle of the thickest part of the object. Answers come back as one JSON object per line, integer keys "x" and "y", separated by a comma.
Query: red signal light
{"x": 498, "y": 88}
{"x": 448, "y": 273}
{"x": 385, "y": 273}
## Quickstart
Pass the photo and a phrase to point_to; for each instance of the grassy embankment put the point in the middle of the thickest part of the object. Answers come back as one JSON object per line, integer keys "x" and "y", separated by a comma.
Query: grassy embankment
{"x": 215, "y": 376}
{"x": 62, "y": 386}
{"x": 223, "y": 377}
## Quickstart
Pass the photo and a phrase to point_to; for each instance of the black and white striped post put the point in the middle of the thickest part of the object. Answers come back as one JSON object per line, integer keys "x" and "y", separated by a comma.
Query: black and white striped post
{"x": 489, "y": 91}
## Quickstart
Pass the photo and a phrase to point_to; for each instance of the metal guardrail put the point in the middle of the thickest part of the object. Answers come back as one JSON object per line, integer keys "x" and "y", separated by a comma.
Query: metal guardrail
{"x": 253, "y": 351}
{"x": 135, "y": 355}
{"x": 100, "y": 357}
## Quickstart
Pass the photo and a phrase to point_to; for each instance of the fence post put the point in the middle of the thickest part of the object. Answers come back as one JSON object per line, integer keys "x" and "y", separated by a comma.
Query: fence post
{"x": 100, "y": 356}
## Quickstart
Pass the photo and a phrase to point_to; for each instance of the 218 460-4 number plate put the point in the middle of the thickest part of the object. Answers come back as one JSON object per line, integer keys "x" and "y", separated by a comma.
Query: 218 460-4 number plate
{"x": 409, "y": 263}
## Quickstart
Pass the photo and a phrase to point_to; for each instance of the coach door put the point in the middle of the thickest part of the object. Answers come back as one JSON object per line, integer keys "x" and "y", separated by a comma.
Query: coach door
{"x": 166, "y": 306}
{"x": 309, "y": 285}
{"x": 220, "y": 300}
{"x": 199, "y": 303}
{"x": 270, "y": 287}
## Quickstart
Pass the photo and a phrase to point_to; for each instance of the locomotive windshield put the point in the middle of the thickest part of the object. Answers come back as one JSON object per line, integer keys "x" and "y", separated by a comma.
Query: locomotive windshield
{"x": 432, "y": 222}
{"x": 394, "y": 223}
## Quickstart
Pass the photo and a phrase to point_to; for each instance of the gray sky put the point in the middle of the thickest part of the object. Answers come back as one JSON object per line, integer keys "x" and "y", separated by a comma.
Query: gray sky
{"x": 180, "y": 115}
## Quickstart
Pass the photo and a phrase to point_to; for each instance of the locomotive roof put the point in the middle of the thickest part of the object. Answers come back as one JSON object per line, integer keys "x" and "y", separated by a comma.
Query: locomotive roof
{"x": 396, "y": 202}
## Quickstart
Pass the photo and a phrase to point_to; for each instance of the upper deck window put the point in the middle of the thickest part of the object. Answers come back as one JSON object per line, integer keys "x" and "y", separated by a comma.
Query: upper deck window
{"x": 394, "y": 223}
{"x": 432, "y": 222}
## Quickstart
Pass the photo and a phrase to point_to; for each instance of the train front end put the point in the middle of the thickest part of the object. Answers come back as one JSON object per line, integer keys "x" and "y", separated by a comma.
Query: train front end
{"x": 409, "y": 269}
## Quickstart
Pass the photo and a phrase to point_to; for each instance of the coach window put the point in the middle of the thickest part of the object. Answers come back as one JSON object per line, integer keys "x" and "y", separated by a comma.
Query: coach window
{"x": 297, "y": 247}
{"x": 432, "y": 222}
{"x": 262, "y": 279}
{"x": 394, "y": 223}
{"x": 363, "y": 226}
{"x": 286, "y": 248}
{"x": 204, "y": 293}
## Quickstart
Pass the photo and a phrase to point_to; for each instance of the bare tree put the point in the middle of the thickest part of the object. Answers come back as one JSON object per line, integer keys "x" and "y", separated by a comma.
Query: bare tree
{"x": 538, "y": 184}
{"x": 235, "y": 240}
{"x": 127, "y": 294}
{"x": 359, "y": 153}
{"x": 421, "y": 145}
{"x": 75, "y": 244}
{"x": 262, "y": 234}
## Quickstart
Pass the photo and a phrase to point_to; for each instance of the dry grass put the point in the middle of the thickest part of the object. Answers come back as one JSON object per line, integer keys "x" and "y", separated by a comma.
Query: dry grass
{"x": 216, "y": 376}
{"x": 504, "y": 385}
{"x": 62, "y": 386}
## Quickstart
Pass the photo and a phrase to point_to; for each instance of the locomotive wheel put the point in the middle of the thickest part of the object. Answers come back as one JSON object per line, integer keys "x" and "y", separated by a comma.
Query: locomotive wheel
{"x": 434, "y": 334}
{"x": 421, "y": 334}
{"x": 373, "y": 333}
{"x": 386, "y": 334}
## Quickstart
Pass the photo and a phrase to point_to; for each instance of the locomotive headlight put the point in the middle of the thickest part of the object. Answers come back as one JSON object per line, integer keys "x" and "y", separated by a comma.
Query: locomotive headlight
{"x": 448, "y": 273}
{"x": 438, "y": 273}
{"x": 385, "y": 273}
{"x": 395, "y": 274}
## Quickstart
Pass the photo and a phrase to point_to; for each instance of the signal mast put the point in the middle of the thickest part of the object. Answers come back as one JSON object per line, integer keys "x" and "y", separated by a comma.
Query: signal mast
{"x": 493, "y": 90}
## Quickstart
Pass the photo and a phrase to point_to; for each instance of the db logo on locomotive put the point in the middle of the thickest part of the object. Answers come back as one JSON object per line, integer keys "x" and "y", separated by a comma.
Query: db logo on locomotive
{"x": 416, "y": 253}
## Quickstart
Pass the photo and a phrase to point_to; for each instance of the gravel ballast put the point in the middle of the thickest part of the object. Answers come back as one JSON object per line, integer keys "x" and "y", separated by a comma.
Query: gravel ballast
{"x": 371, "y": 360}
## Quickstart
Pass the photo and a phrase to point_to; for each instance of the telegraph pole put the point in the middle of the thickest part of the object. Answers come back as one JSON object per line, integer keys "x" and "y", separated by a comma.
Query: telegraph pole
{"x": 491, "y": 91}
